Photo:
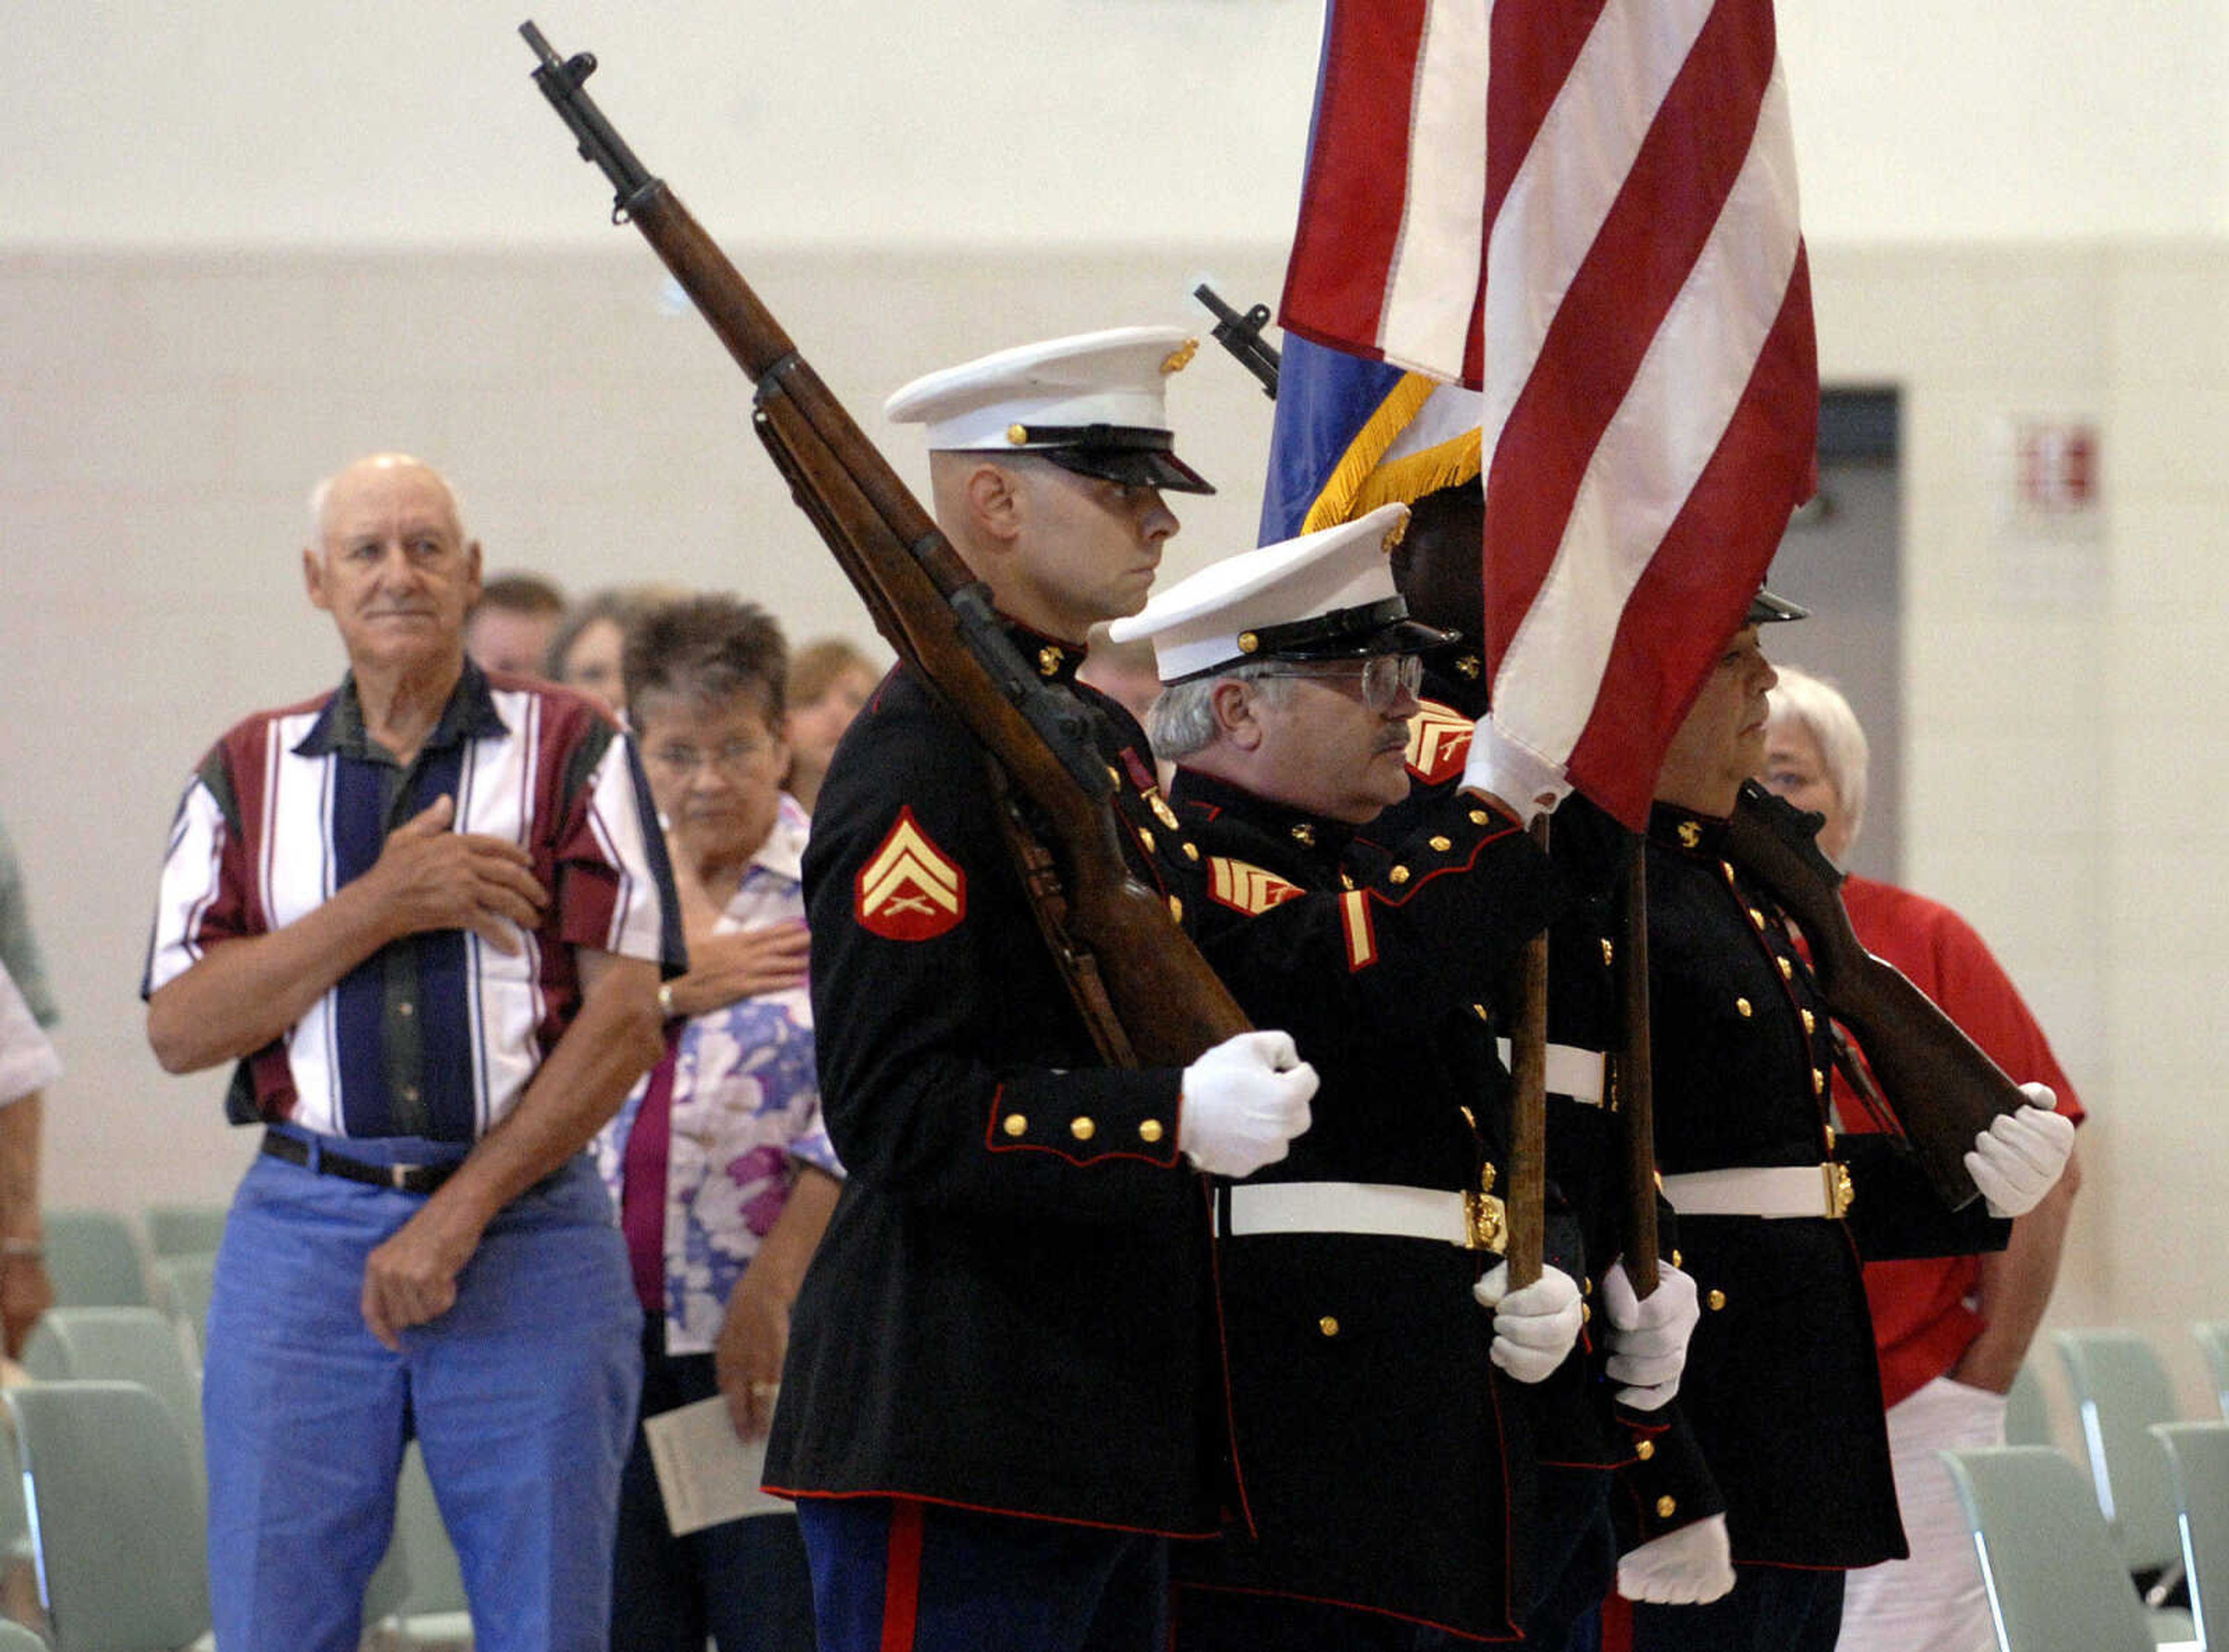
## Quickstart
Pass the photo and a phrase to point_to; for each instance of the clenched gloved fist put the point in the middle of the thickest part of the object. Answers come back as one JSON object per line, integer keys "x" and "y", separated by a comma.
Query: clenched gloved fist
{"x": 1686, "y": 1567}
{"x": 1520, "y": 777}
{"x": 2019, "y": 1157}
{"x": 1243, "y": 1103}
{"x": 1535, "y": 1328}
{"x": 1648, "y": 1339}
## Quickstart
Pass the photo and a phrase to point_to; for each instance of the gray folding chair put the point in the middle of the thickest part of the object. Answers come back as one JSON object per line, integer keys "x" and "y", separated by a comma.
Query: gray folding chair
{"x": 2055, "y": 1582}
{"x": 2213, "y": 1338}
{"x": 2119, "y": 1389}
{"x": 183, "y": 1283}
{"x": 93, "y": 1260}
{"x": 2027, "y": 1412}
{"x": 2198, "y": 1464}
{"x": 134, "y": 1344}
{"x": 116, "y": 1522}
{"x": 185, "y": 1230}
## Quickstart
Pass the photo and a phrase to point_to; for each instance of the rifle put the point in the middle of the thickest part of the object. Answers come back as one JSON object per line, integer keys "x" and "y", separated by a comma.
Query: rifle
{"x": 1242, "y": 336}
{"x": 1944, "y": 1087}
{"x": 1148, "y": 996}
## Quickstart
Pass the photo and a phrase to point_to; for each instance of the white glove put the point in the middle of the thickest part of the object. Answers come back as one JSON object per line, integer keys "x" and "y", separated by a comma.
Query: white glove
{"x": 1648, "y": 1340}
{"x": 1517, "y": 775}
{"x": 1687, "y": 1567}
{"x": 2018, "y": 1158}
{"x": 1243, "y": 1102}
{"x": 1533, "y": 1328}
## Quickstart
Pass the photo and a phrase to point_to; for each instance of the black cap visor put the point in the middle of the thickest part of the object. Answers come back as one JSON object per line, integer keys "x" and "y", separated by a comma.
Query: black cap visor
{"x": 1132, "y": 466}
{"x": 1766, "y": 608}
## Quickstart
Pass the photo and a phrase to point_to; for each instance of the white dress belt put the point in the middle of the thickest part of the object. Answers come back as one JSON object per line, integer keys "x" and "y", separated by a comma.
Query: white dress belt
{"x": 1571, "y": 1071}
{"x": 1347, "y": 1207}
{"x": 1820, "y": 1190}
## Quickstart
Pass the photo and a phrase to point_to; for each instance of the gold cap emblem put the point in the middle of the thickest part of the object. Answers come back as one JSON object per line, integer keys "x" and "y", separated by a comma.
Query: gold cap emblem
{"x": 1049, "y": 659}
{"x": 1180, "y": 358}
{"x": 1392, "y": 540}
{"x": 1691, "y": 834}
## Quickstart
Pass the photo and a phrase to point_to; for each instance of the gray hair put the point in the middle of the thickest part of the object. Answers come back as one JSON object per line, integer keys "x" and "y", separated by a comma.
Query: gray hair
{"x": 1182, "y": 720}
{"x": 1819, "y": 708}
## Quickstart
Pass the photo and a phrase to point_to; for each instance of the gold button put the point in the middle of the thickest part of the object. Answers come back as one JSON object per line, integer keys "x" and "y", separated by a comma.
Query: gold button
{"x": 1756, "y": 918}
{"x": 1328, "y": 1326}
{"x": 1675, "y": 1258}
{"x": 1398, "y": 875}
{"x": 1304, "y": 834}
{"x": 1727, "y": 867}
{"x": 1162, "y": 812}
{"x": 1717, "y": 1300}
{"x": 406, "y": 1007}
{"x": 1741, "y": 1005}
{"x": 1586, "y": 1287}
{"x": 1346, "y": 880}
{"x": 1248, "y": 642}
{"x": 1586, "y": 1313}
{"x": 1146, "y": 838}
{"x": 1481, "y": 1011}
{"x": 1468, "y": 666}
{"x": 1443, "y": 844}
{"x": 1810, "y": 1024}
{"x": 1830, "y": 1138}
{"x": 1644, "y": 1449}
{"x": 1082, "y": 1129}
{"x": 1113, "y": 775}
{"x": 1014, "y": 1124}
{"x": 1786, "y": 970}
{"x": 1610, "y": 952}
{"x": 1192, "y": 852}
{"x": 1149, "y": 1129}
{"x": 1176, "y": 909}
{"x": 1665, "y": 1508}
{"x": 1018, "y": 435}
{"x": 410, "y": 1092}
{"x": 1818, "y": 1082}
{"x": 1479, "y": 817}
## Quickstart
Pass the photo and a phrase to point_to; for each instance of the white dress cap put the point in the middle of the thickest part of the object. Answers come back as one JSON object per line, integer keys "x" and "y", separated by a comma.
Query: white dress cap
{"x": 1330, "y": 593}
{"x": 1115, "y": 378}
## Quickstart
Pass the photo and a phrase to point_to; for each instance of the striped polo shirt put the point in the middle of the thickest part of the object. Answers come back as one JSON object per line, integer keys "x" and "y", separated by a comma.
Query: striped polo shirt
{"x": 437, "y": 1034}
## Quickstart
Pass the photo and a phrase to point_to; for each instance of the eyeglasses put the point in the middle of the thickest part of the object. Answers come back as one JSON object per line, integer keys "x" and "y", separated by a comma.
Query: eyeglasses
{"x": 734, "y": 758}
{"x": 1386, "y": 678}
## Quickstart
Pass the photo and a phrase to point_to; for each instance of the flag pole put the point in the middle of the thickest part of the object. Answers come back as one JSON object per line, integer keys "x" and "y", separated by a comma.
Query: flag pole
{"x": 1528, "y": 1108}
{"x": 1636, "y": 1083}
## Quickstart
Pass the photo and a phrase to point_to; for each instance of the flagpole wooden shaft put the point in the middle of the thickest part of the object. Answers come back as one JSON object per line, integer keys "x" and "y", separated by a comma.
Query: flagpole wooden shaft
{"x": 1526, "y": 1197}
{"x": 1635, "y": 1083}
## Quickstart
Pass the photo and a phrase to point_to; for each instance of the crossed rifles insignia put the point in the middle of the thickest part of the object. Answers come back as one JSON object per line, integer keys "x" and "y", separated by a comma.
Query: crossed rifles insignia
{"x": 1439, "y": 742}
{"x": 909, "y": 890}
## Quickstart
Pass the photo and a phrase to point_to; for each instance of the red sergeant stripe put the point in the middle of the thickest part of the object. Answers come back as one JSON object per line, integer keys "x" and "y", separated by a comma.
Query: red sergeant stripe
{"x": 1639, "y": 263}
{"x": 902, "y": 1578}
{"x": 1763, "y": 460}
{"x": 1349, "y": 219}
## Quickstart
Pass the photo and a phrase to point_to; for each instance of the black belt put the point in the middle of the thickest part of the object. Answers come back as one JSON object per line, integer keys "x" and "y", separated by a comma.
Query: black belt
{"x": 404, "y": 1179}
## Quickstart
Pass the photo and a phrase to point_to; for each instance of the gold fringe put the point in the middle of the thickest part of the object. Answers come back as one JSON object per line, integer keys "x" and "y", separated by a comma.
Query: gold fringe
{"x": 1357, "y": 485}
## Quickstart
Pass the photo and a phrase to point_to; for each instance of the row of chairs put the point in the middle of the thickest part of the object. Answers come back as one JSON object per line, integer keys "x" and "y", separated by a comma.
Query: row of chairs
{"x": 113, "y": 1493}
{"x": 2059, "y": 1548}
{"x": 95, "y": 1260}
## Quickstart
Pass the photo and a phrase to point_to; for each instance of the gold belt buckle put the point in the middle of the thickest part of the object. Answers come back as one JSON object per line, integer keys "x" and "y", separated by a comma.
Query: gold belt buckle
{"x": 1841, "y": 1191}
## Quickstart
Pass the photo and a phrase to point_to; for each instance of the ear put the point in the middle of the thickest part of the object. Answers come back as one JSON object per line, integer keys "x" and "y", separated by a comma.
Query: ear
{"x": 313, "y": 578}
{"x": 996, "y": 503}
{"x": 1237, "y": 716}
{"x": 472, "y": 571}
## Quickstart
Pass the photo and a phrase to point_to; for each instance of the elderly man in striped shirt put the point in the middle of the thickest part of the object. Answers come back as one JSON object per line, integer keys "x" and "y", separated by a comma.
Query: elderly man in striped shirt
{"x": 426, "y": 915}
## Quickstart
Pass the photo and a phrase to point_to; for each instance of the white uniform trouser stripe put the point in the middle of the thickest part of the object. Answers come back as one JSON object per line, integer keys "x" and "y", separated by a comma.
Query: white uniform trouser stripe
{"x": 1424, "y": 323}
{"x": 1664, "y": 434}
{"x": 1565, "y": 188}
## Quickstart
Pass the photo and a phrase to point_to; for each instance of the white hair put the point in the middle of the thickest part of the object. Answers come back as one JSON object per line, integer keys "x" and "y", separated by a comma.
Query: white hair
{"x": 1819, "y": 708}
{"x": 1182, "y": 719}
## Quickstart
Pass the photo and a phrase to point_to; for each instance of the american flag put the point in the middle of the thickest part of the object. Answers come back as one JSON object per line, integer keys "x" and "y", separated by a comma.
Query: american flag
{"x": 1586, "y": 209}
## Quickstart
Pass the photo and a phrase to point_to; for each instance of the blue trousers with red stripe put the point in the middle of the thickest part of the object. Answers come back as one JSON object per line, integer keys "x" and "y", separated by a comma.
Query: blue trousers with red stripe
{"x": 895, "y": 1575}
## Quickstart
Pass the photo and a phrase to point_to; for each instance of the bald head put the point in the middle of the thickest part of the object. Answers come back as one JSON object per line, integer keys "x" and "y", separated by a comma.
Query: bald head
{"x": 350, "y": 478}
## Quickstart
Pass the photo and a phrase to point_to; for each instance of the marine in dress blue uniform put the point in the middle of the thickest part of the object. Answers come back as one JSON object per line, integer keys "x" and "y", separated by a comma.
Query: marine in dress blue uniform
{"x": 1004, "y": 1390}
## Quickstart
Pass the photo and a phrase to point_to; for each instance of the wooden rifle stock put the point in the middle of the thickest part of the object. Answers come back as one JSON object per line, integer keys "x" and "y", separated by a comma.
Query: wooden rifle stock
{"x": 1943, "y": 1086}
{"x": 1110, "y": 933}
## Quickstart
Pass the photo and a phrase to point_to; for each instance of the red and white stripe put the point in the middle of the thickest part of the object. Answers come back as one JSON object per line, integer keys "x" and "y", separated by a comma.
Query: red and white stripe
{"x": 1643, "y": 340}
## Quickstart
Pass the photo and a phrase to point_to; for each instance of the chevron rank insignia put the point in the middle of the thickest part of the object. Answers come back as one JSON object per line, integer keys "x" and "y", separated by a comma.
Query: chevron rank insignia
{"x": 1245, "y": 887}
{"x": 909, "y": 890}
{"x": 1439, "y": 740}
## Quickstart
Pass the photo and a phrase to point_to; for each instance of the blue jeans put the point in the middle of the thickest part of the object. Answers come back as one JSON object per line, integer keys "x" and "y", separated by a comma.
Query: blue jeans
{"x": 520, "y": 1396}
